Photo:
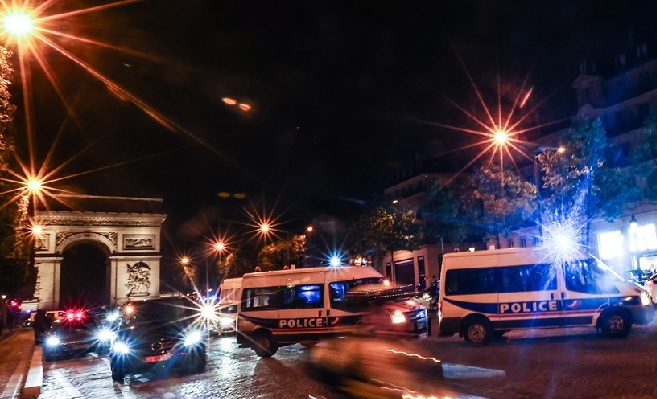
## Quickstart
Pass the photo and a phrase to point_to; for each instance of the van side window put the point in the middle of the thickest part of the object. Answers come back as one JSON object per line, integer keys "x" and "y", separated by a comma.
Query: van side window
{"x": 308, "y": 296}
{"x": 261, "y": 298}
{"x": 526, "y": 278}
{"x": 587, "y": 277}
{"x": 336, "y": 294}
{"x": 471, "y": 281}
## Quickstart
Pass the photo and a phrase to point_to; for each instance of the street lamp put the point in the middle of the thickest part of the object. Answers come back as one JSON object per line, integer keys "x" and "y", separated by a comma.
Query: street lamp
{"x": 219, "y": 247}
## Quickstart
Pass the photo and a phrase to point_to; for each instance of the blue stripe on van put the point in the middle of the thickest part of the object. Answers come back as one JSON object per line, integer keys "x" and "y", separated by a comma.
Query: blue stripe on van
{"x": 579, "y": 305}
{"x": 490, "y": 308}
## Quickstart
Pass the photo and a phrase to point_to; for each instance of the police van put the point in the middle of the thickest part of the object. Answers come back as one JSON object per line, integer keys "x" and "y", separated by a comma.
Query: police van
{"x": 485, "y": 294}
{"x": 285, "y": 307}
{"x": 229, "y": 297}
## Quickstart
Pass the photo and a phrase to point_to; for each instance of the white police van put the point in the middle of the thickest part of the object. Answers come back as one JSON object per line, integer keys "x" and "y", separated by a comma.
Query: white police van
{"x": 306, "y": 305}
{"x": 485, "y": 294}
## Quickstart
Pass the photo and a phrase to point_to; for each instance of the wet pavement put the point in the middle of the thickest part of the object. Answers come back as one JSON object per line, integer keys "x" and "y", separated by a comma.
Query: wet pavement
{"x": 16, "y": 348}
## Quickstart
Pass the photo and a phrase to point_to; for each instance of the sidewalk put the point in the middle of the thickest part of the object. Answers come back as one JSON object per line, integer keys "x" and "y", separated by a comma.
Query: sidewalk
{"x": 21, "y": 369}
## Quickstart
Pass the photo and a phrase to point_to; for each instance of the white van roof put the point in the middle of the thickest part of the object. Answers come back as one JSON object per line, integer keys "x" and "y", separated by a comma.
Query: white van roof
{"x": 499, "y": 257}
{"x": 310, "y": 273}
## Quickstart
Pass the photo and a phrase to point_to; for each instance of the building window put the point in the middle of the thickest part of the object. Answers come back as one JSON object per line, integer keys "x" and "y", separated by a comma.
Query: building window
{"x": 523, "y": 243}
{"x": 510, "y": 243}
{"x": 422, "y": 274}
{"x": 405, "y": 272}
{"x": 610, "y": 244}
{"x": 643, "y": 238}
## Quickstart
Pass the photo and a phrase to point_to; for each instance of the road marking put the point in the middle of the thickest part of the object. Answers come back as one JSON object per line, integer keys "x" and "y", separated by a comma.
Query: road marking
{"x": 71, "y": 391}
{"x": 13, "y": 388}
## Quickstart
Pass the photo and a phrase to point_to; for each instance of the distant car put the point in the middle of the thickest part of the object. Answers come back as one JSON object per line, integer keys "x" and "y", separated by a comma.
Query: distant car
{"x": 78, "y": 333}
{"x": 651, "y": 286}
{"x": 159, "y": 335}
{"x": 227, "y": 319}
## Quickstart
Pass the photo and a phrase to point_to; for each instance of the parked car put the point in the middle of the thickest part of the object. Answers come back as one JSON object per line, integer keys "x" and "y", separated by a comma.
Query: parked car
{"x": 159, "y": 335}
{"x": 651, "y": 286}
{"x": 78, "y": 333}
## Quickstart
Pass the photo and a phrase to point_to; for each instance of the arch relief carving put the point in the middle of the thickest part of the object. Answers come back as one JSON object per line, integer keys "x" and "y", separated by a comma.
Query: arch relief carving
{"x": 65, "y": 238}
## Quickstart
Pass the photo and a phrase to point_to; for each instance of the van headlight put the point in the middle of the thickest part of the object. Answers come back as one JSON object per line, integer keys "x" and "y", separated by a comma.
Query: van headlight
{"x": 53, "y": 341}
{"x": 398, "y": 317}
{"x": 120, "y": 348}
{"x": 226, "y": 321}
{"x": 193, "y": 338}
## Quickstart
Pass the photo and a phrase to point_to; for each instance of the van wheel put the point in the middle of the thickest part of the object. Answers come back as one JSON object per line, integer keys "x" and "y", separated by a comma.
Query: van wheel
{"x": 615, "y": 323}
{"x": 477, "y": 330}
{"x": 264, "y": 345}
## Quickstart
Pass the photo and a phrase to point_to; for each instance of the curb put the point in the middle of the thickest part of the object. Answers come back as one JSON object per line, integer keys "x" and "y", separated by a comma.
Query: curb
{"x": 34, "y": 380}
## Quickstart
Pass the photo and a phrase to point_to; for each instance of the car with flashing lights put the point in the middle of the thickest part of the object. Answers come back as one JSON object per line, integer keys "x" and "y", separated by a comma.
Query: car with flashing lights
{"x": 286, "y": 307}
{"x": 651, "y": 286}
{"x": 76, "y": 334}
{"x": 158, "y": 335}
{"x": 487, "y": 293}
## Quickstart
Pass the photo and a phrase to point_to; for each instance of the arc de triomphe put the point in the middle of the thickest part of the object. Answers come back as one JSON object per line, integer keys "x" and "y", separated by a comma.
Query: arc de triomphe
{"x": 126, "y": 229}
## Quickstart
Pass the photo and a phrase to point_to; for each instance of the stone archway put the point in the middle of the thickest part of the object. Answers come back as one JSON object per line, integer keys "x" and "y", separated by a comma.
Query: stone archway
{"x": 84, "y": 278}
{"x": 125, "y": 230}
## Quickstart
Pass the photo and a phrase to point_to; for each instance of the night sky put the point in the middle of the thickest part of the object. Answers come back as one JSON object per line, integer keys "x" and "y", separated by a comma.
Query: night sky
{"x": 343, "y": 93}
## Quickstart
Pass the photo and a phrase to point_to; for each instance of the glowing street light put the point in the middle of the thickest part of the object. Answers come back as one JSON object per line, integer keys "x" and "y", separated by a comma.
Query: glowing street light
{"x": 501, "y": 137}
{"x": 265, "y": 228}
{"x": 18, "y": 23}
{"x": 34, "y": 185}
{"x": 185, "y": 260}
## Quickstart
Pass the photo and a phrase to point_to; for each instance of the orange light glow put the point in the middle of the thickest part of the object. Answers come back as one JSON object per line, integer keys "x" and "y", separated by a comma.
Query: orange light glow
{"x": 18, "y": 23}
{"x": 245, "y": 107}
{"x": 229, "y": 101}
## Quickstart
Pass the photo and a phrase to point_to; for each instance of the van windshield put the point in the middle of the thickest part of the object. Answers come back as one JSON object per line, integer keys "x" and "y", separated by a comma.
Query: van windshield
{"x": 590, "y": 276}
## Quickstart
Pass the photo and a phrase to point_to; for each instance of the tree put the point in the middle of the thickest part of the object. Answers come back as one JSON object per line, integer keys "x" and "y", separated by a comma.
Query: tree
{"x": 386, "y": 229}
{"x": 644, "y": 156}
{"x": 497, "y": 201}
{"x": 580, "y": 184}
{"x": 444, "y": 216}
{"x": 283, "y": 252}
{"x": 15, "y": 271}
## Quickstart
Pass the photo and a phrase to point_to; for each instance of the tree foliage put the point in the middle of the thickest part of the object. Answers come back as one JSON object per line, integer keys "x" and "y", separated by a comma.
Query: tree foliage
{"x": 15, "y": 269}
{"x": 444, "y": 216}
{"x": 386, "y": 229}
{"x": 282, "y": 252}
{"x": 580, "y": 181}
{"x": 498, "y": 200}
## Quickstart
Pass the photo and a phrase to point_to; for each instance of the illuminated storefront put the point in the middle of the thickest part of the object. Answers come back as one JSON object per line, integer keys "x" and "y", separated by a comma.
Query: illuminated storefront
{"x": 629, "y": 246}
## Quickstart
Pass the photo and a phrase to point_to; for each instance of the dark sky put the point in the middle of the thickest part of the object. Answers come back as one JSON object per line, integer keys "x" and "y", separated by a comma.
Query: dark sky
{"x": 342, "y": 92}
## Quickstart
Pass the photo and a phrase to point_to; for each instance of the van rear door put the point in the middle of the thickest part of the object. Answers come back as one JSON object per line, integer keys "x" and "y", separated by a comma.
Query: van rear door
{"x": 587, "y": 288}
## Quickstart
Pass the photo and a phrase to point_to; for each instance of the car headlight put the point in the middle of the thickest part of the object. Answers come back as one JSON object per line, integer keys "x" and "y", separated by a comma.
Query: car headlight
{"x": 106, "y": 335}
{"x": 121, "y": 348}
{"x": 192, "y": 338}
{"x": 226, "y": 321}
{"x": 398, "y": 317}
{"x": 207, "y": 311}
{"x": 53, "y": 341}
{"x": 111, "y": 317}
